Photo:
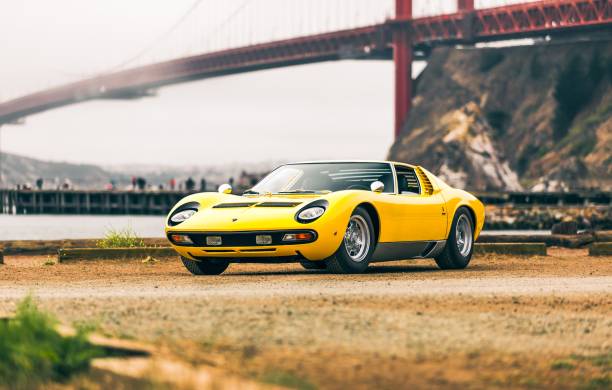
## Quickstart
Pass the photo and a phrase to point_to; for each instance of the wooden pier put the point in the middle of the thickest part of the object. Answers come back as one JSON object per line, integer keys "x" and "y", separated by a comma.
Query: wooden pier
{"x": 578, "y": 198}
{"x": 88, "y": 202}
{"x": 160, "y": 202}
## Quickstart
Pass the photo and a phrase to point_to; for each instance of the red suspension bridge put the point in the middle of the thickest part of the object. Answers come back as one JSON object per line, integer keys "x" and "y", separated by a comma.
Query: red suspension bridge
{"x": 398, "y": 37}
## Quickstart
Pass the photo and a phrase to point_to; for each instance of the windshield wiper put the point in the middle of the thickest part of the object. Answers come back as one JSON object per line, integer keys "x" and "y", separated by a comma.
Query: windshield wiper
{"x": 250, "y": 192}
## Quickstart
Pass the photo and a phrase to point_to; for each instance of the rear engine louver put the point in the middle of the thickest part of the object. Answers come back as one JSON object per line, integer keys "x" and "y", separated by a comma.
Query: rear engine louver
{"x": 427, "y": 186}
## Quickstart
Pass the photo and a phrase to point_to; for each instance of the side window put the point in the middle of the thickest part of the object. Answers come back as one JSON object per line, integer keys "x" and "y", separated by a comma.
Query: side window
{"x": 407, "y": 181}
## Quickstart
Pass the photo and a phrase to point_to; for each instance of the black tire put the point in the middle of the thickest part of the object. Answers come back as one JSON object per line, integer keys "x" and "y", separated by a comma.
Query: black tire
{"x": 205, "y": 267}
{"x": 452, "y": 257}
{"x": 342, "y": 262}
{"x": 312, "y": 264}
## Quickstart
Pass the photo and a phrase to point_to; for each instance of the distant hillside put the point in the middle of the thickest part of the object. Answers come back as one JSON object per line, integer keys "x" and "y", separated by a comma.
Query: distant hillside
{"x": 21, "y": 170}
{"x": 534, "y": 117}
{"x": 214, "y": 174}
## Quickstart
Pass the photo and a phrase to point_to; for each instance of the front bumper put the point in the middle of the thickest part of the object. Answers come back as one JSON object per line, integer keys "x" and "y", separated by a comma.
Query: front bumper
{"x": 242, "y": 247}
{"x": 244, "y": 238}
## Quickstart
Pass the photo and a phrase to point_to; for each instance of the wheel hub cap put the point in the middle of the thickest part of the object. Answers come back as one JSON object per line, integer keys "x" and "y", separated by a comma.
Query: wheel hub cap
{"x": 357, "y": 238}
{"x": 463, "y": 235}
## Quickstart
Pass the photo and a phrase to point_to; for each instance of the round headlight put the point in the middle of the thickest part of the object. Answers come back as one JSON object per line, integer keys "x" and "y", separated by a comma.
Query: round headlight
{"x": 182, "y": 216}
{"x": 311, "y": 213}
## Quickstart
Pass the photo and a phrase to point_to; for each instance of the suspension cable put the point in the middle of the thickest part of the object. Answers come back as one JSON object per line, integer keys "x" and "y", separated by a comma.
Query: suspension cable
{"x": 160, "y": 38}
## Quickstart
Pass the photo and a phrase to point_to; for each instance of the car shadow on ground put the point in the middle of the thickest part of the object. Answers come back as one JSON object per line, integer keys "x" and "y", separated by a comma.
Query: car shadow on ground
{"x": 234, "y": 270}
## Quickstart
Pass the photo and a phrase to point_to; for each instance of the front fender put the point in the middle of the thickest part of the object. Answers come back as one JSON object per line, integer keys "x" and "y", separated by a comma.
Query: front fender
{"x": 205, "y": 199}
{"x": 458, "y": 198}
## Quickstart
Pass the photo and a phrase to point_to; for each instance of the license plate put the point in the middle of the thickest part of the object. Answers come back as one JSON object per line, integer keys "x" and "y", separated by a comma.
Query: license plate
{"x": 263, "y": 239}
{"x": 213, "y": 240}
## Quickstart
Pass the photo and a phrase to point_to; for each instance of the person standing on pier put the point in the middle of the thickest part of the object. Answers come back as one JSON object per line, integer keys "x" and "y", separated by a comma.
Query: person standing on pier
{"x": 190, "y": 184}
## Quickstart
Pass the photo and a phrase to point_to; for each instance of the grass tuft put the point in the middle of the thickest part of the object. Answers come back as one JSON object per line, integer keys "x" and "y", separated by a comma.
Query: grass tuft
{"x": 602, "y": 382}
{"x": 49, "y": 261}
{"x": 122, "y": 238}
{"x": 562, "y": 365}
{"x": 33, "y": 352}
{"x": 603, "y": 360}
{"x": 287, "y": 379}
{"x": 150, "y": 260}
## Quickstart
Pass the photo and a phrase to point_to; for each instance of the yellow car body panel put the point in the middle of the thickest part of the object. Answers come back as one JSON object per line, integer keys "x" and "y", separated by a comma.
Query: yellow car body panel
{"x": 399, "y": 218}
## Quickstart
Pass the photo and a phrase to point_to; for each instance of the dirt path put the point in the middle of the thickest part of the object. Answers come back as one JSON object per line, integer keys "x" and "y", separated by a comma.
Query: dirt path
{"x": 503, "y": 322}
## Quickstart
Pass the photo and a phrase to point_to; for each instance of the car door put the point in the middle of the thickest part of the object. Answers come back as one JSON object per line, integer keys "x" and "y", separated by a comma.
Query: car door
{"x": 420, "y": 213}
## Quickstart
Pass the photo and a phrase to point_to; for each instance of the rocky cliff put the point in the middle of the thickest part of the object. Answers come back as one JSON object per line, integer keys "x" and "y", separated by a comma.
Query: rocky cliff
{"x": 530, "y": 117}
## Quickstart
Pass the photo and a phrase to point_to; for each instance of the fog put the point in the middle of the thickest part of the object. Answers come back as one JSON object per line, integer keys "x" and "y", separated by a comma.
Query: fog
{"x": 329, "y": 110}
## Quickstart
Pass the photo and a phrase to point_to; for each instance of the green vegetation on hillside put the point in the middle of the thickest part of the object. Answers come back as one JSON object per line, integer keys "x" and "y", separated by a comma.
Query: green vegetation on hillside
{"x": 574, "y": 89}
{"x": 33, "y": 352}
{"x": 490, "y": 59}
{"x": 581, "y": 135}
{"x": 546, "y": 109}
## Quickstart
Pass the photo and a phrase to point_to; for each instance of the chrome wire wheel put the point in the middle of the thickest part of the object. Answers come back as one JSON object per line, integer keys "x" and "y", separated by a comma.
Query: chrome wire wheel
{"x": 357, "y": 238}
{"x": 463, "y": 235}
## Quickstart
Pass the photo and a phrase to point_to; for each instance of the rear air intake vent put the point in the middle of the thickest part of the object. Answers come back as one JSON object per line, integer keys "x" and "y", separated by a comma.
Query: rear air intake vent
{"x": 233, "y": 205}
{"x": 427, "y": 186}
{"x": 278, "y": 204}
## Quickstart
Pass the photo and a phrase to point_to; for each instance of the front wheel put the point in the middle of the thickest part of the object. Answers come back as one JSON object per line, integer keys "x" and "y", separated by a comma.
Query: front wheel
{"x": 357, "y": 247}
{"x": 205, "y": 267}
{"x": 460, "y": 244}
{"x": 312, "y": 264}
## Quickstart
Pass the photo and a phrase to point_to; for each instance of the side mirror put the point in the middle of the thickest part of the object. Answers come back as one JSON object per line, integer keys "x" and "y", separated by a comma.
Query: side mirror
{"x": 377, "y": 186}
{"x": 225, "y": 189}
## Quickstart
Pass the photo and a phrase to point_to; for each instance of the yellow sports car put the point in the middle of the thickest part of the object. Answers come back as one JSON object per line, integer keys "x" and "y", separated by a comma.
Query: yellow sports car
{"x": 333, "y": 215}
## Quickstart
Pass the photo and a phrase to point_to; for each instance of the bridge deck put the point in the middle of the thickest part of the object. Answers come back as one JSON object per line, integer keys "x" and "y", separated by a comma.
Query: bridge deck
{"x": 516, "y": 21}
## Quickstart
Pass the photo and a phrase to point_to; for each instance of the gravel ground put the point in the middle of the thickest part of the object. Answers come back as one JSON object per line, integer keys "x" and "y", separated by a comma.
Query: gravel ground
{"x": 504, "y": 322}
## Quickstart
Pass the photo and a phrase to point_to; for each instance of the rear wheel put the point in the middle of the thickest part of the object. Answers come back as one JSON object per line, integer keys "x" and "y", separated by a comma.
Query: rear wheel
{"x": 357, "y": 247}
{"x": 460, "y": 244}
{"x": 205, "y": 267}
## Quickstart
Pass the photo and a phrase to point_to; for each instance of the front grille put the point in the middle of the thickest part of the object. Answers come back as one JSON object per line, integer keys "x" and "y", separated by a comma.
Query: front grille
{"x": 238, "y": 239}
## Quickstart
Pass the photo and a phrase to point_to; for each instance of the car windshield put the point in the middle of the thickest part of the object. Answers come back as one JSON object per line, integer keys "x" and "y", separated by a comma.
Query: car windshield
{"x": 323, "y": 177}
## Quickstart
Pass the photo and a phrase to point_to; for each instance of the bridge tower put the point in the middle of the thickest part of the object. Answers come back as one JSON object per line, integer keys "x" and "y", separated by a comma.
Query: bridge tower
{"x": 465, "y": 5}
{"x": 402, "y": 57}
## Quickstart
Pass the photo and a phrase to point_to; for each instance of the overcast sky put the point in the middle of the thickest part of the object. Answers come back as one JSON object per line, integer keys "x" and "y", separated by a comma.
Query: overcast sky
{"x": 323, "y": 111}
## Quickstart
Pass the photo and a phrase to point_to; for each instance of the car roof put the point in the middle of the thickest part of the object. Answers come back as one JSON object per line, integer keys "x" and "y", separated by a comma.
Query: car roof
{"x": 349, "y": 161}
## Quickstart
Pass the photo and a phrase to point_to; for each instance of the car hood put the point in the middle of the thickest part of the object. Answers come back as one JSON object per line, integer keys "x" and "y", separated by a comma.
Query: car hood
{"x": 237, "y": 213}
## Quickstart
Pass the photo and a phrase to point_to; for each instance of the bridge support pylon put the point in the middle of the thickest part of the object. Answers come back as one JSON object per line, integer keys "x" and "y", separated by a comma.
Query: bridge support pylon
{"x": 465, "y": 5}
{"x": 402, "y": 57}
